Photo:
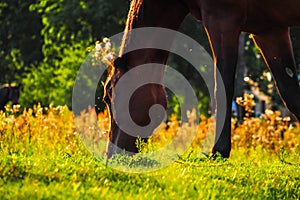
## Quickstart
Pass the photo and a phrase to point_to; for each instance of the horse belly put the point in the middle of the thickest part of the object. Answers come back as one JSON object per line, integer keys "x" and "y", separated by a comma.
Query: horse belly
{"x": 263, "y": 15}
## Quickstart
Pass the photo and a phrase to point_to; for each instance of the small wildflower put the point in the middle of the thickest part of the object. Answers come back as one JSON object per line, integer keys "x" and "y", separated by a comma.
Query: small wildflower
{"x": 269, "y": 112}
{"x": 105, "y": 40}
{"x": 108, "y": 57}
{"x": 107, "y": 46}
{"x": 98, "y": 46}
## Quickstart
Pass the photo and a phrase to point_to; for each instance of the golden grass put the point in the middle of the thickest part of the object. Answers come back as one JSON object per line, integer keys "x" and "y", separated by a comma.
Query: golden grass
{"x": 39, "y": 126}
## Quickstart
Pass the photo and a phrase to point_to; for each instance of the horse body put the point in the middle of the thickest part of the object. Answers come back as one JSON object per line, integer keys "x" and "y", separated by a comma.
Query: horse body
{"x": 256, "y": 15}
{"x": 263, "y": 17}
{"x": 267, "y": 20}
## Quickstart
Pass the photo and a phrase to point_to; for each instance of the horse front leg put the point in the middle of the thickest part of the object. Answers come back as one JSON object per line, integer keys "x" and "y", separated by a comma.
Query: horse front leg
{"x": 276, "y": 47}
{"x": 224, "y": 37}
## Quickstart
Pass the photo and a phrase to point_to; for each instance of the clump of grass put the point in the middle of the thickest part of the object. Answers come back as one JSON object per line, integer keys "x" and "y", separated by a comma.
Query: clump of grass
{"x": 271, "y": 131}
{"x": 34, "y": 129}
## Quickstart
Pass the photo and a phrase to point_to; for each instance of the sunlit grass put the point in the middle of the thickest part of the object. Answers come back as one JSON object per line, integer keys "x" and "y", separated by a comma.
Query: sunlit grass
{"x": 42, "y": 156}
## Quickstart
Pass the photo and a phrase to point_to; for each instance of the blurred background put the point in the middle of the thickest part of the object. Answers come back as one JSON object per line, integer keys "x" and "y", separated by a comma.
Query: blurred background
{"x": 44, "y": 42}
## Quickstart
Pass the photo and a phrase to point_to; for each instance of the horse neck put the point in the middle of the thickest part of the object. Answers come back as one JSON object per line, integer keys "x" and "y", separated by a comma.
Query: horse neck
{"x": 146, "y": 13}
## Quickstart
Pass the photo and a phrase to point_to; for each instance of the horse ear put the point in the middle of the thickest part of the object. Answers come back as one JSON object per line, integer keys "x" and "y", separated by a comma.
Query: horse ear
{"x": 20, "y": 86}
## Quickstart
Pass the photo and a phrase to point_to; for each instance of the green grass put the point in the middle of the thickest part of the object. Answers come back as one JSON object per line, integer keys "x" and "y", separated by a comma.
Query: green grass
{"x": 42, "y": 157}
{"x": 246, "y": 175}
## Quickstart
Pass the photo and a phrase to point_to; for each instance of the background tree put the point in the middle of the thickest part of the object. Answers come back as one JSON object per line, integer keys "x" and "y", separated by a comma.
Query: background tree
{"x": 68, "y": 28}
{"x": 20, "y": 39}
{"x": 43, "y": 43}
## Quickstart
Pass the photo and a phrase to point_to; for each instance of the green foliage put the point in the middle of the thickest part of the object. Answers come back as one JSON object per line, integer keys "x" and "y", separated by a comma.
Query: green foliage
{"x": 48, "y": 84}
{"x": 66, "y": 22}
{"x": 44, "y": 42}
{"x": 36, "y": 36}
{"x": 64, "y": 47}
{"x": 20, "y": 39}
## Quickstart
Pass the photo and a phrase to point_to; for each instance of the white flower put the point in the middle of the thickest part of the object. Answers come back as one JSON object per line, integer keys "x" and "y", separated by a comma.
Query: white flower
{"x": 98, "y": 47}
{"x": 108, "y": 57}
{"x": 107, "y": 46}
{"x": 105, "y": 40}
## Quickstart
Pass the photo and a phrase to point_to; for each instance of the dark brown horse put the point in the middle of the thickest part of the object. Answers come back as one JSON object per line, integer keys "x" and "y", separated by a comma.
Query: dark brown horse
{"x": 268, "y": 21}
{"x": 9, "y": 93}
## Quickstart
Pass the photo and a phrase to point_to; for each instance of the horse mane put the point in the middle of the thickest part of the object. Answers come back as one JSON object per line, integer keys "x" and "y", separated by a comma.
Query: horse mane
{"x": 133, "y": 14}
{"x": 120, "y": 63}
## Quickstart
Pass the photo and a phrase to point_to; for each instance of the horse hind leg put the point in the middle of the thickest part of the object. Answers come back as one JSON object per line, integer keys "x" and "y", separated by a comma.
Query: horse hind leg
{"x": 276, "y": 47}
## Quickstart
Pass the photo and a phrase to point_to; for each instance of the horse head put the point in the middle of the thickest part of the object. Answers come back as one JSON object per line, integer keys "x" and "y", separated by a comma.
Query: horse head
{"x": 118, "y": 139}
{"x": 133, "y": 116}
{"x": 14, "y": 94}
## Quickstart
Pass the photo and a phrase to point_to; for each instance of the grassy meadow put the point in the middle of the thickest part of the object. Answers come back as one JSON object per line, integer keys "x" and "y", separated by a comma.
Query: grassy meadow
{"x": 42, "y": 157}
